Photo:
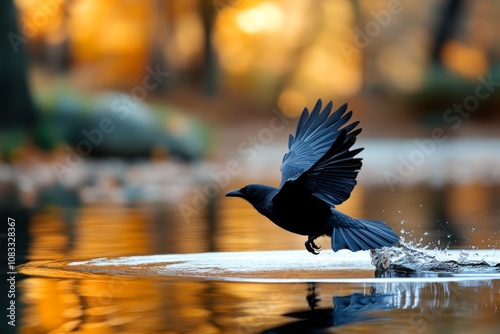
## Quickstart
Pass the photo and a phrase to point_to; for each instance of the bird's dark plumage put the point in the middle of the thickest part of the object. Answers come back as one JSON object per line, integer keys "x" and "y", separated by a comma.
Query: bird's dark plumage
{"x": 318, "y": 172}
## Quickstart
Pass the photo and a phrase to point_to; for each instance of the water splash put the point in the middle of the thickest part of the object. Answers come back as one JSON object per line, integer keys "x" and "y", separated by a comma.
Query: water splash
{"x": 405, "y": 262}
{"x": 409, "y": 259}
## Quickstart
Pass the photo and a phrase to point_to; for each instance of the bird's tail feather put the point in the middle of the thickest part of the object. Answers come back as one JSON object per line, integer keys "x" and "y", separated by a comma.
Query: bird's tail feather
{"x": 363, "y": 235}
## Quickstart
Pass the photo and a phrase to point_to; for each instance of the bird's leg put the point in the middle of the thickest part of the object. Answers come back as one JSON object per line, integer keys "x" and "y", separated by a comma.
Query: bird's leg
{"x": 312, "y": 297}
{"x": 311, "y": 246}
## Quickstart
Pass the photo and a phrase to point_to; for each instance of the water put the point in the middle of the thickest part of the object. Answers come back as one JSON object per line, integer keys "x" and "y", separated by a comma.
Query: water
{"x": 256, "y": 292}
{"x": 94, "y": 265}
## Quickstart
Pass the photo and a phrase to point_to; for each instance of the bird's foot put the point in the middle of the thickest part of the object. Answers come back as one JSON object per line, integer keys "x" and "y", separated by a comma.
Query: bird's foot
{"x": 312, "y": 297}
{"x": 312, "y": 247}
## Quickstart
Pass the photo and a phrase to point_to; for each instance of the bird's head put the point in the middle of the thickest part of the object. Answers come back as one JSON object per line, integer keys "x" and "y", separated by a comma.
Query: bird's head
{"x": 256, "y": 194}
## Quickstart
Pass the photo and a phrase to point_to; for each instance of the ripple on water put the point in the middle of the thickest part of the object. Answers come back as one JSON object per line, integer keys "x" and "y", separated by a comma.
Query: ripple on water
{"x": 411, "y": 264}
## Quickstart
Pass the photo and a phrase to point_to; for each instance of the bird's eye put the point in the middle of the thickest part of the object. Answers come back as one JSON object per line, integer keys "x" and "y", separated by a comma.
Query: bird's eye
{"x": 244, "y": 190}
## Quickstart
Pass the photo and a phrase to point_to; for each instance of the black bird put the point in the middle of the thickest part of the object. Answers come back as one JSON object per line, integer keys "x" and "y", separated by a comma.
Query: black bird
{"x": 319, "y": 172}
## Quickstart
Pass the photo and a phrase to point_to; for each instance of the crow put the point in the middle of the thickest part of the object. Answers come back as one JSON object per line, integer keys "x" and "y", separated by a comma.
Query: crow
{"x": 319, "y": 172}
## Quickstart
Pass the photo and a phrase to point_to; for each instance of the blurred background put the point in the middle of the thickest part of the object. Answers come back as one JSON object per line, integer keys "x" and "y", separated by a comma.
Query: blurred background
{"x": 124, "y": 122}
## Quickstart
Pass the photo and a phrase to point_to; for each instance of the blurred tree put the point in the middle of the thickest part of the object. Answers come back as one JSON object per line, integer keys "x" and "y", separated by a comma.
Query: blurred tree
{"x": 210, "y": 59}
{"x": 446, "y": 28}
{"x": 17, "y": 110}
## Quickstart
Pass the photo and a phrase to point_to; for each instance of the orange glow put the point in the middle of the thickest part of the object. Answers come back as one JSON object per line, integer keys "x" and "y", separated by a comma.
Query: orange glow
{"x": 464, "y": 60}
{"x": 109, "y": 41}
{"x": 252, "y": 37}
{"x": 324, "y": 69}
{"x": 41, "y": 19}
{"x": 264, "y": 17}
{"x": 464, "y": 214}
{"x": 403, "y": 71}
{"x": 290, "y": 101}
{"x": 125, "y": 230}
{"x": 188, "y": 37}
{"x": 51, "y": 303}
{"x": 245, "y": 38}
{"x": 49, "y": 234}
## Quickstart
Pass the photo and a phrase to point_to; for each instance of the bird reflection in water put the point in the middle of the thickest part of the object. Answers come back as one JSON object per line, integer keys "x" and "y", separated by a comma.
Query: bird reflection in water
{"x": 346, "y": 310}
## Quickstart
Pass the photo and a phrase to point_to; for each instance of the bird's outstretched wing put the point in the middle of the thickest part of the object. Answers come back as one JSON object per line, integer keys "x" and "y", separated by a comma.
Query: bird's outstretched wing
{"x": 320, "y": 158}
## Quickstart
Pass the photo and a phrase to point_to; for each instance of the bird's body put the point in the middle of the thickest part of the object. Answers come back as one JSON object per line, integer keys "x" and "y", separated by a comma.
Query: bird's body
{"x": 319, "y": 172}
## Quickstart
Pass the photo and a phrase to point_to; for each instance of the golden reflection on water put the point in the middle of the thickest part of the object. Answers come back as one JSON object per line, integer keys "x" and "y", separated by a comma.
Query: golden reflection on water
{"x": 118, "y": 304}
{"x": 113, "y": 304}
{"x": 123, "y": 305}
{"x": 98, "y": 230}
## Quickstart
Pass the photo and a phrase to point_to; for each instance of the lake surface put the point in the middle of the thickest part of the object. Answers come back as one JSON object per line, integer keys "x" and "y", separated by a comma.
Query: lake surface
{"x": 257, "y": 292}
{"x": 57, "y": 292}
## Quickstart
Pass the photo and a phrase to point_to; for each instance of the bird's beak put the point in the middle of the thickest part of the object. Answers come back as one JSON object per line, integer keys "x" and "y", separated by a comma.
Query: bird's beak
{"x": 234, "y": 193}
